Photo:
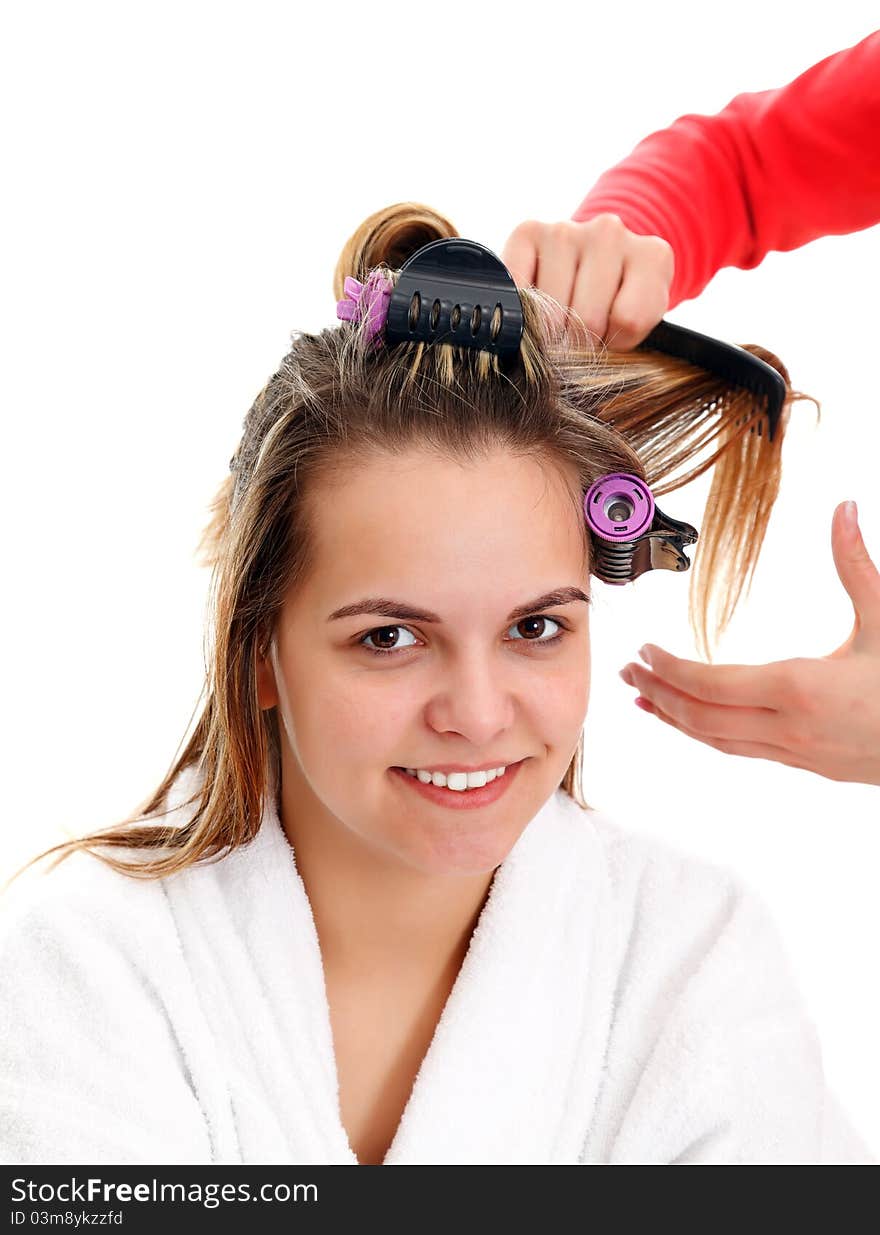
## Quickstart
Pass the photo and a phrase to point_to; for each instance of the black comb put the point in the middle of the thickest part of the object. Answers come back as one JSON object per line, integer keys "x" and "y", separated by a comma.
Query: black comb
{"x": 734, "y": 364}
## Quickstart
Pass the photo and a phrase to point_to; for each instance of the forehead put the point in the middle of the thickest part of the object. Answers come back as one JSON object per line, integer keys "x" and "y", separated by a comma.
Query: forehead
{"x": 468, "y": 523}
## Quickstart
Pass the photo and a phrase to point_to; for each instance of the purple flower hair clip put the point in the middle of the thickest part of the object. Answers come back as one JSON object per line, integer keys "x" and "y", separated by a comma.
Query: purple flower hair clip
{"x": 367, "y": 301}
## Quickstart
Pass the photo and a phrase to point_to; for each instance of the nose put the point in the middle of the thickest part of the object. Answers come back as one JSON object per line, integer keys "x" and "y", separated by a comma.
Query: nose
{"x": 474, "y": 698}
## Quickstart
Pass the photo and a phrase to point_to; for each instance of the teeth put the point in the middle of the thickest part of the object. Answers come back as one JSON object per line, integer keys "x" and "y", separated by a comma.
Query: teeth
{"x": 457, "y": 781}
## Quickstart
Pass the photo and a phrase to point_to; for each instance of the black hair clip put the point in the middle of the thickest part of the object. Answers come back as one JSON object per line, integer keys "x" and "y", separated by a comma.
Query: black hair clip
{"x": 456, "y": 291}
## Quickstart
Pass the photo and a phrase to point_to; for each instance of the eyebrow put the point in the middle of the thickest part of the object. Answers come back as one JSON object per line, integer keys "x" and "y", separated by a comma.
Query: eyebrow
{"x": 385, "y": 607}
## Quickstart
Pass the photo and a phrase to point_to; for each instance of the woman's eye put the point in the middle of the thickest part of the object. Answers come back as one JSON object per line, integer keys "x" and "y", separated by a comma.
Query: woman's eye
{"x": 386, "y": 639}
{"x": 540, "y": 621}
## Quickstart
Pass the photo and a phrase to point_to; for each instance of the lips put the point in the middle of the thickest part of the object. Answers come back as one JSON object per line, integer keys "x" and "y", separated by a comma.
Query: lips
{"x": 462, "y": 799}
{"x": 460, "y": 767}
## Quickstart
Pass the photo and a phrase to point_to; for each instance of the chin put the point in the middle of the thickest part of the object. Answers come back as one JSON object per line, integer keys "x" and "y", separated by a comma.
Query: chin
{"x": 457, "y": 851}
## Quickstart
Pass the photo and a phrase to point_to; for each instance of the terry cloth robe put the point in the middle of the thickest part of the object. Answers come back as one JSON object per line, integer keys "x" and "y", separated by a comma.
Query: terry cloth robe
{"x": 619, "y": 1003}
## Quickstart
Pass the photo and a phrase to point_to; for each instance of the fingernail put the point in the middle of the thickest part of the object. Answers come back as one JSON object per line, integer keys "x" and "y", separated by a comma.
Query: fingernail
{"x": 642, "y": 703}
{"x": 645, "y": 653}
{"x": 851, "y": 515}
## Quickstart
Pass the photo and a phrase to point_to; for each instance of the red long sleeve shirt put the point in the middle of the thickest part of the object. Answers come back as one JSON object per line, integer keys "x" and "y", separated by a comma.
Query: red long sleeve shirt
{"x": 773, "y": 170}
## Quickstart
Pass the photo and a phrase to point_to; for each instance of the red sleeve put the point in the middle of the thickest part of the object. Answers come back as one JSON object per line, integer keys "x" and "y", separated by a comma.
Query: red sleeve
{"x": 773, "y": 170}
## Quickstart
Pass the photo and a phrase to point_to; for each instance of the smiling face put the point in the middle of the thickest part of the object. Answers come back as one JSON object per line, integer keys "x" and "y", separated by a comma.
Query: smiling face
{"x": 469, "y": 675}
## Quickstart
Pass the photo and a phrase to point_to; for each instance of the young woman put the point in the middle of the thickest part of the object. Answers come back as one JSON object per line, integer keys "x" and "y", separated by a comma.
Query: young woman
{"x": 368, "y": 916}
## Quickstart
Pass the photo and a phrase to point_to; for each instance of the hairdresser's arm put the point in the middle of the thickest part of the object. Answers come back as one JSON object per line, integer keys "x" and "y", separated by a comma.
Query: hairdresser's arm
{"x": 772, "y": 171}
{"x": 821, "y": 715}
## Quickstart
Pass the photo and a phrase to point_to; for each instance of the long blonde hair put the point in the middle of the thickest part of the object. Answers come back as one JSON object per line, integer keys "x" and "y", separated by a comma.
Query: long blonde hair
{"x": 332, "y": 403}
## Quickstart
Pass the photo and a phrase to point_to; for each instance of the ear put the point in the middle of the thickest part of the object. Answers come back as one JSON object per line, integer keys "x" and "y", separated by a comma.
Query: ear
{"x": 267, "y": 692}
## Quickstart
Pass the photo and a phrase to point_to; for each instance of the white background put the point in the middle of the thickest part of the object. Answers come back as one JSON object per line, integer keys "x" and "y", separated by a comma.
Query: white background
{"x": 180, "y": 179}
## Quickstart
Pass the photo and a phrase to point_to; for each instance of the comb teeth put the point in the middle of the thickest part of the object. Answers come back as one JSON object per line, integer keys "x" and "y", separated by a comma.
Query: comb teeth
{"x": 731, "y": 363}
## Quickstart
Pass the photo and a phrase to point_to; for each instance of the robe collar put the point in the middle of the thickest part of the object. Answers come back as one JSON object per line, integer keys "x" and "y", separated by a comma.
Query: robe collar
{"x": 512, "y": 1072}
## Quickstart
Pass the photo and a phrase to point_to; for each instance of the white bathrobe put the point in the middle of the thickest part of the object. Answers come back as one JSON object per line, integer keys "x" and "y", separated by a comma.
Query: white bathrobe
{"x": 619, "y": 1003}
